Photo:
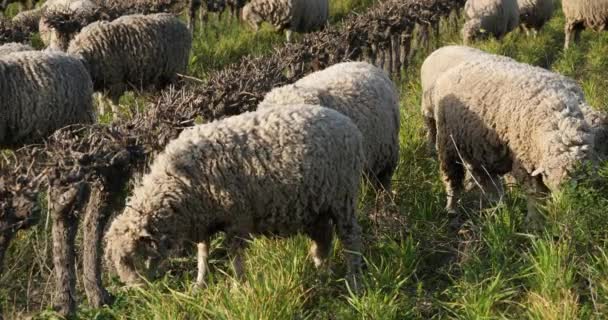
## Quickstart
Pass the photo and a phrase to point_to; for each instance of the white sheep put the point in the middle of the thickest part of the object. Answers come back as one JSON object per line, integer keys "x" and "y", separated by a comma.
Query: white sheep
{"x": 56, "y": 39}
{"x": 489, "y": 17}
{"x": 365, "y": 94}
{"x": 135, "y": 51}
{"x": 580, "y": 14}
{"x": 533, "y": 14}
{"x": 437, "y": 63}
{"x": 500, "y": 117}
{"x": 40, "y": 93}
{"x": 14, "y": 47}
{"x": 278, "y": 171}
{"x": 288, "y": 15}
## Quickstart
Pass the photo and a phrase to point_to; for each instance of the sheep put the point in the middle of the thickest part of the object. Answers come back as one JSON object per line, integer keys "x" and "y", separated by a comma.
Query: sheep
{"x": 42, "y": 92}
{"x": 580, "y": 14}
{"x": 437, "y": 63}
{"x": 277, "y": 171}
{"x": 489, "y": 17}
{"x": 288, "y": 15}
{"x": 11, "y": 47}
{"x": 138, "y": 51}
{"x": 533, "y": 14}
{"x": 365, "y": 94}
{"x": 27, "y": 4}
{"x": 500, "y": 117}
{"x": 58, "y": 38}
{"x": 29, "y": 19}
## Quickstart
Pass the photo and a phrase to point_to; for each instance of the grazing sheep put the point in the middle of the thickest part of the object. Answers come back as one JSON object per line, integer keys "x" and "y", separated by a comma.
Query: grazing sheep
{"x": 59, "y": 38}
{"x": 289, "y": 15}
{"x": 533, "y": 14}
{"x": 136, "y": 51}
{"x": 489, "y": 17}
{"x": 14, "y": 47}
{"x": 29, "y": 19}
{"x": 278, "y": 171}
{"x": 365, "y": 94}
{"x": 41, "y": 92}
{"x": 502, "y": 117}
{"x": 437, "y": 63}
{"x": 581, "y": 14}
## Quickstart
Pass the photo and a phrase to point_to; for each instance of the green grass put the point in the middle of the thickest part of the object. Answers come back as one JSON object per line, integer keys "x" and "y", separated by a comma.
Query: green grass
{"x": 416, "y": 267}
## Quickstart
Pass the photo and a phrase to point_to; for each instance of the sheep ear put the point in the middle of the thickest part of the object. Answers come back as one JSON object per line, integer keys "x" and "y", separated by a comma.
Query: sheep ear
{"x": 537, "y": 172}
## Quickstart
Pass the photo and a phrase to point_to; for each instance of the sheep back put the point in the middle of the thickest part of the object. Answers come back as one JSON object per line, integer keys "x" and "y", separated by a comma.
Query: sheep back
{"x": 135, "y": 50}
{"x": 511, "y": 117}
{"x": 363, "y": 93}
{"x": 13, "y": 47}
{"x": 42, "y": 92}
{"x": 274, "y": 171}
{"x": 592, "y": 14}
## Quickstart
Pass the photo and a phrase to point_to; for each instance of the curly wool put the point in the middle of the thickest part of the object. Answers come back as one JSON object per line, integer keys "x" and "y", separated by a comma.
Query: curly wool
{"x": 489, "y": 17}
{"x": 138, "y": 51}
{"x": 293, "y": 15}
{"x": 436, "y": 64}
{"x": 367, "y": 96}
{"x": 14, "y": 47}
{"x": 533, "y": 14}
{"x": 277, "y": 171}
{"x": 507, "y": 117}
{"x": 42, "y": 92}
{"x": 580, "y": 14}
{"x": 60, "y": 39}
{"x": 29, "y": 19}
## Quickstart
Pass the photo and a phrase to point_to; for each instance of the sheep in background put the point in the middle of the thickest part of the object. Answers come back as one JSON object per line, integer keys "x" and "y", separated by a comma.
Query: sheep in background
{"x": 59, "y": 37}
{"x": 136, "y": 51}
{"x": 581, "y": 14}
{"x": 489, "y": 17}
{"x": 42, "y": 92}
{"x": 367, "y": 96}
{"x": 533, "y": 14}
{"x": 278, "y": 171}
{"x": 288, "y": 15}
{"x": 27, "y": 4}
{"x": 14, "y": 47}
{"x": 29, "y": 19}
{"x": 504, "y": 117}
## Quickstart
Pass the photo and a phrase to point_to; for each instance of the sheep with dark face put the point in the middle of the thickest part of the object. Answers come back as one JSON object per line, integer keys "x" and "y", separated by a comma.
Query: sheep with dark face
{"x": 489, "y": 18}
{"x": 288, "y": 15}
{"x": 278, "y": 171}
{"x": 533, "y": 14}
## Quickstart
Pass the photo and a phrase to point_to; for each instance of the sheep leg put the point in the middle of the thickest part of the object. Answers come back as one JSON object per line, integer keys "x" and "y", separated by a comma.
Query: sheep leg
{"x": 349, "y": 233}
{"x": 451, "y": 169}
{"x": 65, "y": 205}
{"x": 571, "y": 34}
{"x": 431, "y": 133}
{"x": 194, "y": 5}
{"x": 288, "y": 35}
{"x": 202, "y": 256}
{"x": 321, "y": 234}
{"x": 237, "y": 245}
